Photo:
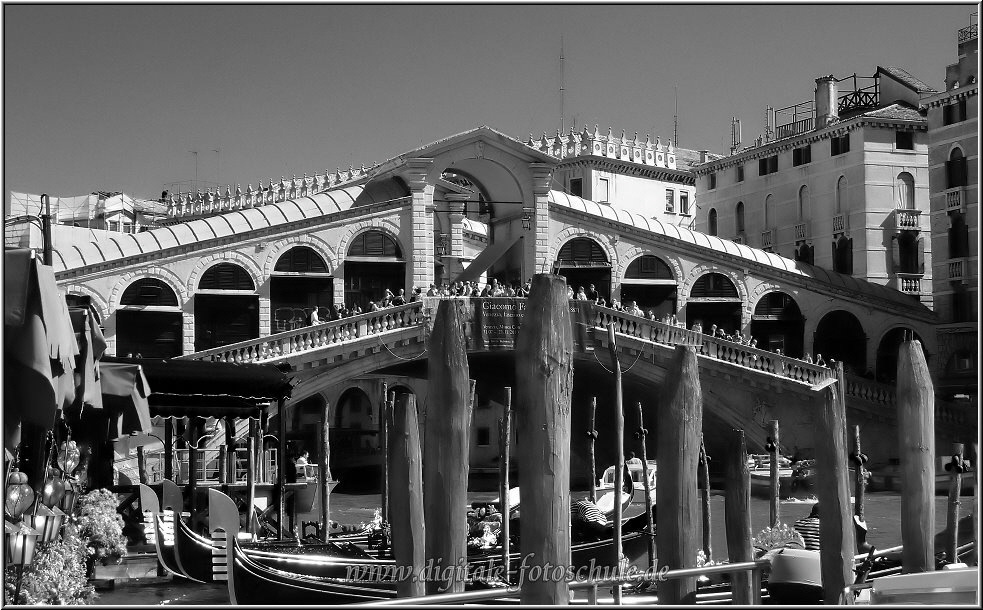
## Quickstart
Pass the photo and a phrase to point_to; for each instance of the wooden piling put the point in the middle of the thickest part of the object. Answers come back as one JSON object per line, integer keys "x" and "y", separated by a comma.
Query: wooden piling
{"x": 837, "y": 541}
{"x": 141, "y": 465}
{"x": 591, "y": 438}
{"x": 406, "y": 500}
{"x": 704, "y": 475}
{"x": 619, "y": 439}
{"x": 737, "y": 514}
{"x": 774, "y": 482}
{"x": 281, "y": 471}
{"x": 952, "y": 514}
{"x": 169, "y": 448}
{"x": 251, "y": 477}
{"x": 230, "y": 450}
{"x": 324, "y": 474}
{"x": 544, "y": 383}
{"x": 678, "y": 454}
{"x": 505, "y": 445}
{"x": 859, "y": 482}
{"x": 642, "y": 436}
{"x": 445, "y": 465}
{"x": 193, "y": 471}
{"x": 916, "y": 443}
{"x": 223, "y": 466}
{"x": 384, "y": 408}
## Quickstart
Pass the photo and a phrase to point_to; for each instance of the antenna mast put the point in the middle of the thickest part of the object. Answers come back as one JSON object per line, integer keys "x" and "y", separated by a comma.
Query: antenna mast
{"x": 561, "y": 83}
{"x": 675, "y": 117}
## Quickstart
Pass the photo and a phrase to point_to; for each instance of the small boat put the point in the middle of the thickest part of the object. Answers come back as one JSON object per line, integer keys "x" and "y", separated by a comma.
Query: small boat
{"x": 759, "y": 468}
{"x": 636, "y": 470}
{"x": 887, "y": 477}
{"x": 804, "y": 477}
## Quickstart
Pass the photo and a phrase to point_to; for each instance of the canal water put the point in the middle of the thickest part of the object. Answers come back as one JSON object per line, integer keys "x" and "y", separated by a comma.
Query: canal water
{"x": 883, "y": 510}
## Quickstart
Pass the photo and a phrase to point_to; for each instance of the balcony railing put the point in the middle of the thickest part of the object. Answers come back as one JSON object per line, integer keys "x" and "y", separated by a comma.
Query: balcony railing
{"x": 959, "y": 270}
{"x": 907, "y": 220}
{"x": 794, "y": 128}
{"x": 968, "y": 33}
{"x": 910, "y": 283}
{"x": 740, "y": 238}
{"x": 839, "y": 223}
{"x": 955, "y": 199}
{"x": 802, "y": 230}
{"x": 767, "y": 240}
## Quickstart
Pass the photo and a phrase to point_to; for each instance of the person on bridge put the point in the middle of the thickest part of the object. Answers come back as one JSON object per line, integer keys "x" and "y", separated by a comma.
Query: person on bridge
{"x": 592, "y": 294}
{"x": 315, "y": 319}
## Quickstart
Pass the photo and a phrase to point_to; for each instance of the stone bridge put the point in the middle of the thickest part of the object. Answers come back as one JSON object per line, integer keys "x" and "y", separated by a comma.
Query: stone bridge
{"x": 743, "y": 387}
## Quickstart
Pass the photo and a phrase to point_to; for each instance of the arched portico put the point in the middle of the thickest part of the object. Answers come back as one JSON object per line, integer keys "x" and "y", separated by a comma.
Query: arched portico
{"x": 840, "y": 336}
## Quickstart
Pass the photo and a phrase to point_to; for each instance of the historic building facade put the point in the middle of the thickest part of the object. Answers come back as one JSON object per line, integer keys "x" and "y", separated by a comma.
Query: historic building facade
{"x": 841, "y": 182}
{"x": 953, "y": 158}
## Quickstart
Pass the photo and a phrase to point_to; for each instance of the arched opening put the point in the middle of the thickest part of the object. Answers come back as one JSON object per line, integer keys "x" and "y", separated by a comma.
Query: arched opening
{"x": 739, "y": 219}
{"x": 355, "y": 459}
{"x": 223, "y": 314}
{"x": 803, "y": 210}
{"x": 769, "y": 212}
{"x": 804, "y": 253}
{"x": 886, "y": 367}
{"x": 840, "y": 336}
{"x": 649, "y": 282}
{"x": 582, "y": 261}
{"x": 906, "y": 191}
{"x": 843, "y": 255}
{"x": 714, "y": 300}
{"x": 712, "y": 222}
{"x": 149, "y": 322}
{"x": 842, "y": 203}
{"x": 907, "y": 256}
{"x": 301, "y": 281}
{"x": 955, "y": 169}
{"x": 374, "y": 264}
{"x": 303, "y": 428}
{"x": 777, "y": 324}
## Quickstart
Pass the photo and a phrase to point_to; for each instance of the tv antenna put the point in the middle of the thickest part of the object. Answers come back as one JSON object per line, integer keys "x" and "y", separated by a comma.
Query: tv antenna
{"x": 561, "y": 83}
{"x": 195, "y": 153}
{"x": 675, "y": 117}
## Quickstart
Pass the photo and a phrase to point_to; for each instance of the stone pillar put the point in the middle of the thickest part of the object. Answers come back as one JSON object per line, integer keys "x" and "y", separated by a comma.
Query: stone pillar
{"x": 265, "y": 315}
{"x": 455, "y": 209}
{"x": 419, "y": 270}
{"x": 537, "y": 249}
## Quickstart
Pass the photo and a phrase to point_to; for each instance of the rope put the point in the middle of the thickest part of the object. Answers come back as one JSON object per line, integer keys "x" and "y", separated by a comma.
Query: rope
{"x": 639, "y": 355}
{"x": 382, "y": 343}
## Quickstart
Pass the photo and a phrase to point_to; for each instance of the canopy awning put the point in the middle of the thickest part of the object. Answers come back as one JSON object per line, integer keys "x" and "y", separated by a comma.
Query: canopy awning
{"x": 488, "y": 257}
{"x": 124, "y": 396}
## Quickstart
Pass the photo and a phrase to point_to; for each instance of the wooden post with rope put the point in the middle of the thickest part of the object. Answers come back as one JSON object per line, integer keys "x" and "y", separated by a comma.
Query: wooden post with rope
{"x": 619, "y": 438}
{"x": 591, "y": 439}
{"x": 737, "y": 514}
{"x": 955, "y": 468}
{"x": 650, "y": 526}
{"x": 774, "y": 482}
{"x": 406, "y": 470}
{"x": 504, "y": 436}
{"x": 704, "y": 474}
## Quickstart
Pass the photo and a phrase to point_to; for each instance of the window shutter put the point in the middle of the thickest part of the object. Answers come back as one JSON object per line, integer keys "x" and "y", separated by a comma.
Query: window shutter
{"x": 895, "y": 255}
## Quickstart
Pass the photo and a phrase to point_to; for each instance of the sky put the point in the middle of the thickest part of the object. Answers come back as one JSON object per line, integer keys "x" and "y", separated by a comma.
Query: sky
{"x": 115, "y": 97}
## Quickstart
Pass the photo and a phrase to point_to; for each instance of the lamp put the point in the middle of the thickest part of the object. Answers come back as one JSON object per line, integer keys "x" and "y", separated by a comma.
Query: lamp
{"x": 20, "y": 542}
{"x": 527, "y": 219}
{"x": 47, "y": 522}
{"x": 67, "y": 503}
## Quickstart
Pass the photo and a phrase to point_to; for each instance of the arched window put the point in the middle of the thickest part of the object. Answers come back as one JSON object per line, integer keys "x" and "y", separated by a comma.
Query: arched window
{"x": 582, "y": 252}
{"x": 226, "y": 276}
{"x": 843, "y": 255}
{"x": 648, "y": 268}
{"x": 301, "y": 259}
{"x": 374, "y": 243}
{"x": 739, "y": 217}
{"x": 803, "y": 203}
{"x": 842, "y": 203}
{"x": 955, "y": 169}
{"x": 906, "y": 191}
{"x": 712, "y": 222}
{"x": 714, "y": 285}
{"x": 149, "y": 292}
{"x": 769, "y": 213}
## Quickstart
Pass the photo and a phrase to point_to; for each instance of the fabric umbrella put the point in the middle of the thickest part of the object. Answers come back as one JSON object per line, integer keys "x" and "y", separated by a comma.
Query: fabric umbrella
{"x": 124, "y": 397}
{"x": 92, "y": 345}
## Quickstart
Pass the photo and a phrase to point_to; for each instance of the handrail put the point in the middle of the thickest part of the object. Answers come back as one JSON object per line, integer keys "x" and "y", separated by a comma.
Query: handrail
{"x": 754, "y": 567}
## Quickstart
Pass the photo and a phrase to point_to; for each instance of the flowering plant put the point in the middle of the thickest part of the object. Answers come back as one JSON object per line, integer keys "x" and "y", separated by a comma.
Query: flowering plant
{"x": 57, "y": 576}
{"x": 100, "y": 526}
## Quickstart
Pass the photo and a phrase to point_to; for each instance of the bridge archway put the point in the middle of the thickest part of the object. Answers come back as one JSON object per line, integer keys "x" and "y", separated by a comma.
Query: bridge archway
{"x": 649, "y": 282}
{"x": 583, "y": 261}
{"x": 373, "y": 264}
{"x": 714, "y": 300}
{"x": 886, "y": 365}
{"x": 840, "y": 336}
{"x": 226, "y": 308}
{"x": 149, "y": 321}
{"x": 301, "y": 280}
{"x": 777, "y": 323}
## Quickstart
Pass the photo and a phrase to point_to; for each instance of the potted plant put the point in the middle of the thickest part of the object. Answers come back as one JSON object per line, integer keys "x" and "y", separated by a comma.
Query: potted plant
{"x": 101, "y": 528}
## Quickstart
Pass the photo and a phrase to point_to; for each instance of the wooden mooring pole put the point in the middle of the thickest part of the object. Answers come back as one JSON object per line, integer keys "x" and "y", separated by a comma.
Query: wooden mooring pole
{"x": 591, "y": 439}
{"x": 650, "y": 526}
{"x": 916, "y": 442}
{"x": 324, "y": 472}
{"x": 169, "y": 448}
{"x": 445, "y": 465}
{"x": 678, "y": 454}
{"x": 544, "y": 383}
{"x": 774, "y": 486}
{"x": 251, "y": 477}
{"x": 281, "y": 471}
{"x": 737, "y": 514}
{"x": 619, "y": 472}
{"x": 504, "y": 436}
{"x": 406, "y": 471}
{"x": 836, "y": 535}
{"x": 704, "y": 474}
{"x": 952, "y": 514}
{"x": 976, "y": 509}
{"x": 384, "y": 441}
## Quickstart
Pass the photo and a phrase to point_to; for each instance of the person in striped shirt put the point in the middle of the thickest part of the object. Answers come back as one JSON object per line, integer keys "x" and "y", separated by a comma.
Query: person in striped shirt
{"x": 808, "y": 527}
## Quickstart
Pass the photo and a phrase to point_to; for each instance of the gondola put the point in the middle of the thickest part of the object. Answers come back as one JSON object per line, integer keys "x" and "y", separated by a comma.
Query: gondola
{"x": 164, "y": 539}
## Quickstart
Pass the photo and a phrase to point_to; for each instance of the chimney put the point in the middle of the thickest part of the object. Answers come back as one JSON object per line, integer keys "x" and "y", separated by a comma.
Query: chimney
{"x": 826, "y": 101}
{"x": 704, "y": 156}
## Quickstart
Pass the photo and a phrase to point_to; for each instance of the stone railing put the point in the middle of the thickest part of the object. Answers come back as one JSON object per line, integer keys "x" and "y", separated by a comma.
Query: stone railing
{"x": 907, "y": 220}
{"x": 767, "y": 239}
{"x": 197, "y": 204}
{"x": 644, "y": 328}
{"x": 957, "y": 269}
{"x": 802, "y": 230}
{"x": 954, "y": 199}
{"x": 870, "y": 391}
{"x": 839, "y": 223}
{"x": 316, "y": 337}
{"x": 910, "y": 283}
{"x": 624, "y": 148}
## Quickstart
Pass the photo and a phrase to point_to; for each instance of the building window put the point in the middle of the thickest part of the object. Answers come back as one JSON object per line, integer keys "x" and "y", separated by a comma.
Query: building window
{"x": 906, "y": 191}
{"x": 801, "y": 155}
{"x": 843, "y": 255}
{"x": 960, "y": 305}
{"x": 958, "y": 236}
{"x": 954, "y": 113}
{"x": 577, "y": 187}
{"x": 602, "y": 190}
{"x": 712, "y": 181}
{"x": 906, "y": 253}
{"x": 670, "y": 201}
{"x": 803, "y": 203}
{"x": 684, "y": 203}
{"x": 955, "y": 169}
{"x": 739, "y": 217}
{"x": 483, "y": 437}
{"x": 841, "y": 203}
{"x": 905, "y": 140}
{"x": 769, "y": 212}
{"x": 740, "y": 173}
{"x": 712, "y": 222}
{"x": 839, "y": 145}
{"x": 768, "y": 165}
